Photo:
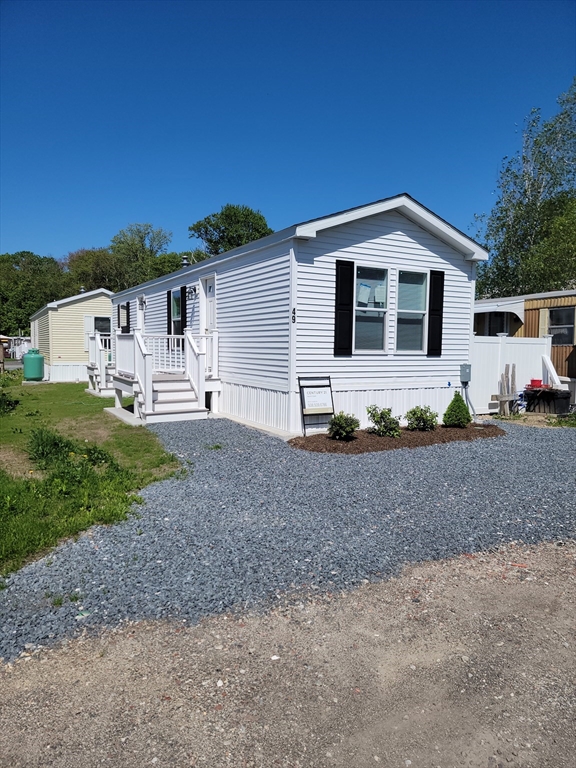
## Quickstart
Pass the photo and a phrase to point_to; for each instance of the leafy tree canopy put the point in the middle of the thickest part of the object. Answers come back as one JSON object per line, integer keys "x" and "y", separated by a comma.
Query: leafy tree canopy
{"x": 93, "y": 268}
{"x": 233, "y": 226}
{"x": 136, "y": 248}
{"x": 530, "y": 232}
{"x": 27, "y": 283}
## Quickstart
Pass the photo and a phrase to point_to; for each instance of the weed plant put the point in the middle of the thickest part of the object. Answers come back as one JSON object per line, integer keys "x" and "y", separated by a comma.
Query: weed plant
{"x": 385, "y": 425}
{"x": 82, "y": 485}
{"x": 565, "y": 420}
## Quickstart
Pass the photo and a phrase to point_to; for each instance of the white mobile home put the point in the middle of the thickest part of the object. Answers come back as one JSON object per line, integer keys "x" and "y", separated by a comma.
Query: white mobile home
{"x": 380, "y": 298}
{"x": 61, "y": 330}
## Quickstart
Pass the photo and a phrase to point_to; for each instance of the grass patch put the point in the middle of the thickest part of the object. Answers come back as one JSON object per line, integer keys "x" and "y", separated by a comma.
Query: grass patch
{"x": 85, "y": 467}
{"x": 564, "y": 420}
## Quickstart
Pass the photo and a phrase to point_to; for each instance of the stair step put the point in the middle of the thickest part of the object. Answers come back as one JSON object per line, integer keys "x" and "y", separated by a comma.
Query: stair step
{"x": 175, "y": 407}
{"x": 172, "y": 386}
{"x": 176, "y": 396}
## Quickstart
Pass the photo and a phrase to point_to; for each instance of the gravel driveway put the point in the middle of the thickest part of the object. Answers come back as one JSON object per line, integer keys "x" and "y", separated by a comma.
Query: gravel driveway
{"x": 254, "y": 518}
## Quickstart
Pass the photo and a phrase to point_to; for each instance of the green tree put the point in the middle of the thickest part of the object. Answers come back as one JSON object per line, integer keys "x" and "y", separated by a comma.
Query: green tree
{"x": 27, "y": 283}
{"x": 172, "y": 262}
{"x": 136, "y": 248}
{"x": 233, "y": 226}
{"x": 537, "y": 187}
{"x": 93, "y": 268}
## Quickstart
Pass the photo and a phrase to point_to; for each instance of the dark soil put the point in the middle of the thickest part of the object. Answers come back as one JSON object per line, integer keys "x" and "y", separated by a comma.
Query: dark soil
{"x": 365, "y": 441}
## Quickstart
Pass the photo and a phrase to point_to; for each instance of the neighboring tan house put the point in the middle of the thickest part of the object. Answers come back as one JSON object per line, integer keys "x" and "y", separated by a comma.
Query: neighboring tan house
{"x": 380, "y": 298}
{"x": 60, "y": 331}
{"x": 533, "y": 316}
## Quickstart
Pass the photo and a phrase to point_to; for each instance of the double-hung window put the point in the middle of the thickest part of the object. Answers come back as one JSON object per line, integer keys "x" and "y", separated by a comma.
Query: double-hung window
{"x": 412, "y": 308}
{"x": 561, "y": 326}
{"x": 362, "y": 307}
{"x": 371, "y": 301}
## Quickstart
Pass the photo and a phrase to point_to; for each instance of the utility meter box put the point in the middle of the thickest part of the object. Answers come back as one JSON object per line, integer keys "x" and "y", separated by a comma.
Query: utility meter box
{"x": 465, "y": 373}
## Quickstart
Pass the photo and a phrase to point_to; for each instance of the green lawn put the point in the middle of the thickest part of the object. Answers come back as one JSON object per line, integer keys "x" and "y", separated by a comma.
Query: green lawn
{"x": 66, "y": 465}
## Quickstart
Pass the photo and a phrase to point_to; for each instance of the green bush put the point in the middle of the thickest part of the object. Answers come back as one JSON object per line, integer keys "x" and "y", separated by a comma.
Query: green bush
{"x": 7, "y": 403}
{"x": 457, "y": 413}
{"x": 422, "y": 418}
{"x": 342, "y": 426}
{"x": 385, "y": 425}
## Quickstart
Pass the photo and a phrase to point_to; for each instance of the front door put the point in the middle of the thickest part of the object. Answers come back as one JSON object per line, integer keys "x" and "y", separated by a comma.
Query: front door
{"x": 210, "y": 314}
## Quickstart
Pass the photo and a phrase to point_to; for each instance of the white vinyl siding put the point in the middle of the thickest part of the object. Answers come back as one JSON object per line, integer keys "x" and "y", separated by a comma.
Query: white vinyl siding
{"x": 253, "y": 319}
{"x": 44, "y": 337}
{"x": 252, "y": 315}
{"x": 385, "y": 241}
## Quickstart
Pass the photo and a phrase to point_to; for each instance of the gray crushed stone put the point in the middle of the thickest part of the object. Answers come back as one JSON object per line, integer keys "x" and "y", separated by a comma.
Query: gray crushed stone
{"x": 255, "y": 518}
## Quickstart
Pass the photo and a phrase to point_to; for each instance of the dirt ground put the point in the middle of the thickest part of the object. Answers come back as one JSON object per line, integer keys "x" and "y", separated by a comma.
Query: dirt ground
{"x": 463, "y": 662}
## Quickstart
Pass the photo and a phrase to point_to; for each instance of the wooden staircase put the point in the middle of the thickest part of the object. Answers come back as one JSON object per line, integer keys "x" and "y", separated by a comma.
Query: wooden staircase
{"x": 173, "y": 399}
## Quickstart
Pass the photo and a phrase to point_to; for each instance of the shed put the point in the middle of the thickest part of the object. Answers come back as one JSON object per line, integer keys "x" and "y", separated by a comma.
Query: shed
{"x": 60, "y": 330}
{"x": 379, "y": 298}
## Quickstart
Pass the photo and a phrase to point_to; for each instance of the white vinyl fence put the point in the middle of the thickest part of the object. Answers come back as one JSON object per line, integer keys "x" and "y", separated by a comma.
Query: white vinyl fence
{"x": 489, "y": 356}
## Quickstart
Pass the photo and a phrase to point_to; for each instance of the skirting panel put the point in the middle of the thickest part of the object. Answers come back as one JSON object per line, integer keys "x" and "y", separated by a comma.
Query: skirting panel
{"x": 261, "y": 406}
{"x": 399, "y": 400}
{"x": 66, "y": 372}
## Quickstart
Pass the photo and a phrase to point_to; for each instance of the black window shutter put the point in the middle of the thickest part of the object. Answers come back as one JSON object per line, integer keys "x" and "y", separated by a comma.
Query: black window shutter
{"x": 119, "y": 324}
{"x": 169, "y": 313}
{"x": 127, "y": 317}
{"x": 435, "y": 312}
{"x": 183, "y": 311}
{"x": 344, "y": 310}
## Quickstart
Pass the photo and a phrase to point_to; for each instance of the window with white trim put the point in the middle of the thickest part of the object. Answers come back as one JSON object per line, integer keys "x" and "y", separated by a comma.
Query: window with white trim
{"x": 370, "y": 304}
{"x": 412, "y": 310}
{"x": 176, "y": 313}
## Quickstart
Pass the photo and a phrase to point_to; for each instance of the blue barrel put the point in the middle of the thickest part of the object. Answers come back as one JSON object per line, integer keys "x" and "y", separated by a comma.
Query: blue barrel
{"x": 33, "y": 365}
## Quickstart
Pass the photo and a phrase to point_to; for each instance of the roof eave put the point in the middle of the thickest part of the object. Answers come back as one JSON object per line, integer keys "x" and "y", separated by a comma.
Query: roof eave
{"x": 413, "y": 211}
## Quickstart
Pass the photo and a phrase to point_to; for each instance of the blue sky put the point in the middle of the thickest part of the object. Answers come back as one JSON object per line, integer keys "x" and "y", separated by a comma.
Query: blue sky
{"x": 130, "y": 112}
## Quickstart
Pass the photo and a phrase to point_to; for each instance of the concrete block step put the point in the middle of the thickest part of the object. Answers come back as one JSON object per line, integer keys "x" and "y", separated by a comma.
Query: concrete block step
{"x": 155, "y": 417}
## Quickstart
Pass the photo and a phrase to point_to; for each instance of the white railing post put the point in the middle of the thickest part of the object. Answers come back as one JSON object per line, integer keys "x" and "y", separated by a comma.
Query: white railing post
{"x": 103, "y": 363}
{"x": 143, "y": 371}
{"x": 195, "y": 364}
{"x": 92, "y": 347}
{"x": 215, "y": 353}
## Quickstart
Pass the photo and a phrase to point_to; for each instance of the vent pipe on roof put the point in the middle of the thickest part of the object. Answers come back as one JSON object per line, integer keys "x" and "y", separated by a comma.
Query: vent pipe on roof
{"x": 185, "y": 262}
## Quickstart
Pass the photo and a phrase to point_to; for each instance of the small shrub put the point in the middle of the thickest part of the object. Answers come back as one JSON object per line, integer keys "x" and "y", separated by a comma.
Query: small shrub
{"x": 457, "y": 413}
{"x": 7, "y": 403}
{"x": 342, "y": 426}
{"x": 422, "y": 418}
{"x": 385, "y": 425}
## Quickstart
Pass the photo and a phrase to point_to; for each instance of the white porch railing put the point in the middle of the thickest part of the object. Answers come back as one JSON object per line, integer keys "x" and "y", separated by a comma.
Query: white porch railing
{"x": 125, "y": 353}
{"x": 195, "y": 357}
{"x": 139, "y": 356}
{"x": 167, "y": 352}
{"x": 99, "y": 358}
{"x": 143, "y": 372}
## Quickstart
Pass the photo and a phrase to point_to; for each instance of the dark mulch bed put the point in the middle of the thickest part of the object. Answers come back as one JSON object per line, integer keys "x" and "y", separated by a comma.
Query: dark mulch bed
{"x": 365, "y": 441}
